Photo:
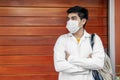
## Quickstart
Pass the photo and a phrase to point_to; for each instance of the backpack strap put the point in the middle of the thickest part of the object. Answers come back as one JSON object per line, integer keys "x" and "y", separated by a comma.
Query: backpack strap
{"x": 92, "y": 40}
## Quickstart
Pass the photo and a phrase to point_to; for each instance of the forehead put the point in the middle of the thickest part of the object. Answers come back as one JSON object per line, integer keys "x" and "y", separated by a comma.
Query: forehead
{"x": 73, "y": 14}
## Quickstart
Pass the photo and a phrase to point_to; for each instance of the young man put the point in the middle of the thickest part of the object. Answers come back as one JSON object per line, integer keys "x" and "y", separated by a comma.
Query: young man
{"x": 74, "y": 58}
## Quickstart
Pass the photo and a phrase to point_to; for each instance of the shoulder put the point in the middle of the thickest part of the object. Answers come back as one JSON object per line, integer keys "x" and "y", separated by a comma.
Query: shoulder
{"x": 97, "y": 37}
{"x": 64, "y": 36}
{"x": 61, "y": 41}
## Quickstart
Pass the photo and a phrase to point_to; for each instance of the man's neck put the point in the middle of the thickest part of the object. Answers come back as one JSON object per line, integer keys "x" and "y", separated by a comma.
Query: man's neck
{"x": 79, "y": 33}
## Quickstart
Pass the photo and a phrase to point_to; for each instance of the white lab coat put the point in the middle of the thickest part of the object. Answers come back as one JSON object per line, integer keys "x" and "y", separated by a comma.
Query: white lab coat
{"x": 78, "y": 66}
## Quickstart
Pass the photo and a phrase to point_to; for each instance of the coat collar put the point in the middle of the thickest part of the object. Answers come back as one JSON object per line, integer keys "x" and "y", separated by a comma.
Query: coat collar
{"x": 85, "y": 35}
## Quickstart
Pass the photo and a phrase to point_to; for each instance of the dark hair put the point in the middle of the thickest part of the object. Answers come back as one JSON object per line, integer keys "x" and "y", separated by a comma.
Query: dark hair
{"x": 82, "y": 12}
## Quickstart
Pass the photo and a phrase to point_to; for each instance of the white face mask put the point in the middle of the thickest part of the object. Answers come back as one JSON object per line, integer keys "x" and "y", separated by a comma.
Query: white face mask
{"x": 72, "y": 26}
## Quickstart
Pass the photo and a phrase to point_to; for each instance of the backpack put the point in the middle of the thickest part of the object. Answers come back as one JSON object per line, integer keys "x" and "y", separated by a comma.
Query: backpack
{"x": 106, "y": 72}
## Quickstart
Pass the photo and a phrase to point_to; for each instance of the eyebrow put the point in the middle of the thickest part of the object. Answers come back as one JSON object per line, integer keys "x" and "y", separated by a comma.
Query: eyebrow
{"x": 72, "y": 17}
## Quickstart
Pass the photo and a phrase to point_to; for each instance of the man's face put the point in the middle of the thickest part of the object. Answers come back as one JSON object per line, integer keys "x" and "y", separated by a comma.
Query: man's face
{"x": 74, "y": 16}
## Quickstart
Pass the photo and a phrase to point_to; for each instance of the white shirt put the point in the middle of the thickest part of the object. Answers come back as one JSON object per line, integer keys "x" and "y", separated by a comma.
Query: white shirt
{"x": 78, "y": 66}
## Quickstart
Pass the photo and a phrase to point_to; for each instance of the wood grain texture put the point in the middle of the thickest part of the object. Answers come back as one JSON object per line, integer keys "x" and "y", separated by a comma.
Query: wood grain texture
{"x": 26, "y": 50}
{"x": 29, "y": 11}
{"x": 31, "y": 41}
{"x": 36, "y": 48}
{"x": 45, "y": 31}
{"x": 117, "y": 69}
{"x": 26, "y": 60}
{"x": 47, "y": 21}
{"x": 53, "y": 3}
{"x": 29, "y": 77}
{"x": 26, "y": 69}
{"x": 117, "y": 37}
{"x": 29, "y": 30}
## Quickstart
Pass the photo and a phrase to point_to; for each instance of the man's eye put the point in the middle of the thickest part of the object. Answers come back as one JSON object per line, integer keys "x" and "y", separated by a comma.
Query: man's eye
{"x": 67, "y": 19}
{"x": 74, "y": 18}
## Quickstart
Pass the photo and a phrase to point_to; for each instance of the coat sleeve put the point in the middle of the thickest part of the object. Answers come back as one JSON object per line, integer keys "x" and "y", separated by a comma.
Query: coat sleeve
{"x": 97, "y": 59}
{"x": 61, "y": 64}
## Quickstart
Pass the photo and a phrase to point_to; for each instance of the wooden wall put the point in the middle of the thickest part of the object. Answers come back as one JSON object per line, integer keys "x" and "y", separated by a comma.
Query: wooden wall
{"x": 29, "y": 29}
{"x": 117, "y": 36}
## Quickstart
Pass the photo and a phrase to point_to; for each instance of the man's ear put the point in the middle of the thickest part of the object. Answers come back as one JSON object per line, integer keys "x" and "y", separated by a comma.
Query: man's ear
{"x": 84, "y": 21}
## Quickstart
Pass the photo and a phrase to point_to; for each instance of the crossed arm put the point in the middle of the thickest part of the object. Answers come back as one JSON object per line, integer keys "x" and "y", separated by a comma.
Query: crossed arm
{"x": 64, "y": 62}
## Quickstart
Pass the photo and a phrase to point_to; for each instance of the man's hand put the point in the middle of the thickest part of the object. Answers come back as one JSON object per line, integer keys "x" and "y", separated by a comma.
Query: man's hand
{"x": 67, "y": 55}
